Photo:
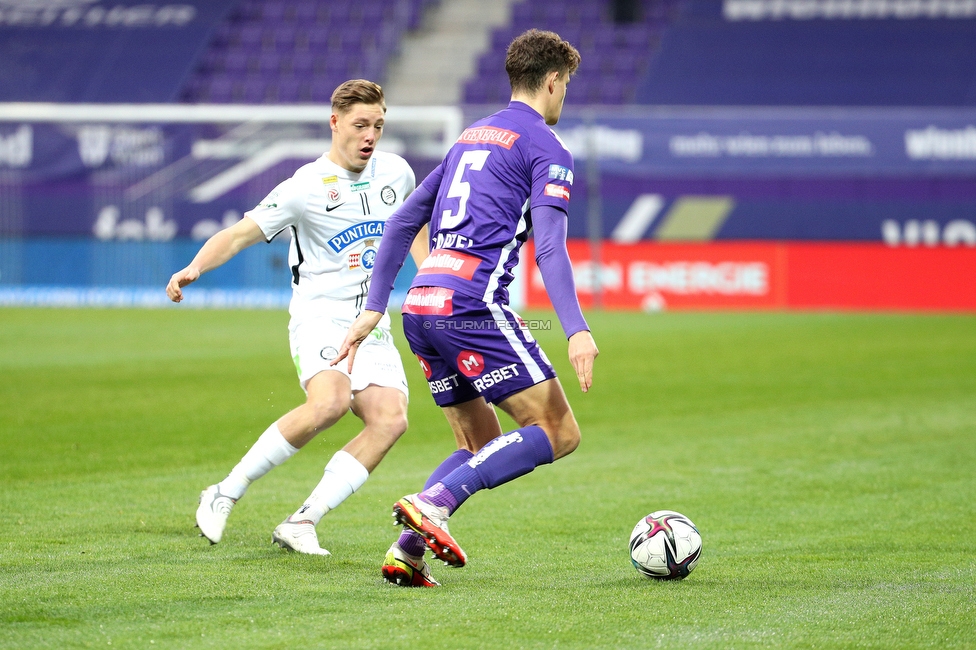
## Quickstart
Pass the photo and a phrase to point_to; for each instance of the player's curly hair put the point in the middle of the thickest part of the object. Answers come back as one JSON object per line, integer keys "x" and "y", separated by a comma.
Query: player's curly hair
{"x": 357, "y": 91}
{"x": 534, "y": 54}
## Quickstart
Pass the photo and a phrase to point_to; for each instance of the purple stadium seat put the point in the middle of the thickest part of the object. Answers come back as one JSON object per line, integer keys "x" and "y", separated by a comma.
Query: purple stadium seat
{"x": 323, "y": 38}
{"x": 220, "y": 89}
{"x": 301, "y": 63}
{"x": 476, "y": 91}
{"x": 254, "y": 89}
{"x": 352, "y": 38}
{"x": 306, "y": 12}
{"x": 635, "y": 37}
{"x": 339, "y": 13}
{"x": 266, "y": 46}
{"x": 249, "y": 36}
{"x": 612, "y": 91}
{"x": 269, "y": 63}
{"x": 273, "y": 11}
{"x": 212, "y": 61}
{"x": 235, "y": 61}
{"x": 624, "y": 63}
{"x": 223, "y": 35}
{"x": 249, "y": 10}
{"x": 491, "y": 62}
{"x": 321, "y": 88}
{"x": 289, "y": 90}
{"x": 283, "y": 37}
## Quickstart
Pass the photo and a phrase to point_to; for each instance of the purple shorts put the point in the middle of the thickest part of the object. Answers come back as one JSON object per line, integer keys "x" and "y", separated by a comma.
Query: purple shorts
{"x": 470, "y": 349}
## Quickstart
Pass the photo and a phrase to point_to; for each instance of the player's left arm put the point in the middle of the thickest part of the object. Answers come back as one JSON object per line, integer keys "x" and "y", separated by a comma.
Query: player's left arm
{"x": 550, "y": 227}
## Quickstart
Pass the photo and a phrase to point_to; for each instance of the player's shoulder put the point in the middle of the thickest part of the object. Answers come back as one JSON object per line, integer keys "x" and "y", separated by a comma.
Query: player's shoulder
{"x": 388, "y": 163}
{"x": 311, "y": 172}
{"x": 536, "y": 134}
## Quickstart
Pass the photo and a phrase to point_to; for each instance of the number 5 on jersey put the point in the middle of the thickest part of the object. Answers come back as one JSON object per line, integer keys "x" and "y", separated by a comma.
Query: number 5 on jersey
{"x": 460, "y": 189}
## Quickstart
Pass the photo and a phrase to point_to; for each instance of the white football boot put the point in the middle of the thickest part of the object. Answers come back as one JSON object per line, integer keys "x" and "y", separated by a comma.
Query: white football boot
{"x": 298, "y": 536}
{"x": 212, "y": 513}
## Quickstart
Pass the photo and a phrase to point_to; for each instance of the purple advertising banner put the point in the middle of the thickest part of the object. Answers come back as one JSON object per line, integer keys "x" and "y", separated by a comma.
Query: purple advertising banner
{"x": 897, "y": 176}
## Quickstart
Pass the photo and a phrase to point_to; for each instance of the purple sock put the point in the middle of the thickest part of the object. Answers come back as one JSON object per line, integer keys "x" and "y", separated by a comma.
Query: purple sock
{"x": 505, "y": 458}
{"x": 410, "y": 541}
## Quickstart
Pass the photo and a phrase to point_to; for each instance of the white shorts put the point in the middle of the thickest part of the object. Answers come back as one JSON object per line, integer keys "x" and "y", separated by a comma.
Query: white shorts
{"x": 315, "y": 342}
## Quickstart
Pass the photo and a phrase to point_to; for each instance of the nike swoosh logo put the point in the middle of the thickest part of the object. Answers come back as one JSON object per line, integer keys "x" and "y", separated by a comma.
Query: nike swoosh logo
{"x": 330, "y": 208}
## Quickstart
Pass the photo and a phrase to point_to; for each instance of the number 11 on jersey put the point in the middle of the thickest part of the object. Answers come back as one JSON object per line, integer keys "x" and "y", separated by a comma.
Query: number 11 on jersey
{"x": 475, "y": 160}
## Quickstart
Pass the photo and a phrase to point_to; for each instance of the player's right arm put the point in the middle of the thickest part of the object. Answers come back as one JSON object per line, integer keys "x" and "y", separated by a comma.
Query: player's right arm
{"x": 216, "y": 251}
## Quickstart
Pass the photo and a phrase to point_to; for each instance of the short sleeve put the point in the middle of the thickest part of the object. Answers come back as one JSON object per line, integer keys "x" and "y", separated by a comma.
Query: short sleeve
{"x": 552, "y": 174}
{"x": 282, "y": 208}
{"x": 411, "y": 180}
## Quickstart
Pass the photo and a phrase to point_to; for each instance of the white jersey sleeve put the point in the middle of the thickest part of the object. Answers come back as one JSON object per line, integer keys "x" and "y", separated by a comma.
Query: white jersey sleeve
{"x": 281, "y": 209}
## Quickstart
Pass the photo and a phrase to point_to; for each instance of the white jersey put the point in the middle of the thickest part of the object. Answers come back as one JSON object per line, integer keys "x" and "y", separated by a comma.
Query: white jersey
{"x": 337, "y": 218}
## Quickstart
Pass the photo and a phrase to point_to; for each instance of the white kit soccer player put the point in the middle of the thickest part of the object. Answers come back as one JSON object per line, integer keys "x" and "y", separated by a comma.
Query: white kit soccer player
{"x": 336, "y": 218}
{"x": 336, "y": 210}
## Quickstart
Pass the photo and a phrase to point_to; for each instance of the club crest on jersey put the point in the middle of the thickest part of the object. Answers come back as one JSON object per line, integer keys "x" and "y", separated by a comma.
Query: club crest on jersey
{"x": 332, "y": 188}
{"x": 388, "y": 195}
{"x": 561, "y": 173}
{"x": 353, "y": 234}
{"x": 368, "y": 258}
{"x": 557, "y": 190}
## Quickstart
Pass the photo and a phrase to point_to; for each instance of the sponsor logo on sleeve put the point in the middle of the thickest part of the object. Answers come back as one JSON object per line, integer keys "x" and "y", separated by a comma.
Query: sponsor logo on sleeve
{"x": 270, "y": 201}
{"x": 454, "y": 263}
{"x": 489, "y": 135}
{"x": 557, "y": 191}
{"x": 561, "y": 173}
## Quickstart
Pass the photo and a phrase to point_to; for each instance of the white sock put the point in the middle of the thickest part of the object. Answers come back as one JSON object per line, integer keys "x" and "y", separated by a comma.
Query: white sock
{"x": 270, "y": 450}
{"x": 343, "y": 476}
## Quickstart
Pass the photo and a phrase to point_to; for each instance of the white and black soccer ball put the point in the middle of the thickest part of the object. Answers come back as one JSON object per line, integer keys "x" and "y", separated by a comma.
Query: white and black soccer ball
{"x": 665, "y": 545}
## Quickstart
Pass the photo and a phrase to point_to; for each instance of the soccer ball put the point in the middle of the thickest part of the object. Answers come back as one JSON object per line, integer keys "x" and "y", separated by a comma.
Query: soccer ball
{"x": 665, "y": 545}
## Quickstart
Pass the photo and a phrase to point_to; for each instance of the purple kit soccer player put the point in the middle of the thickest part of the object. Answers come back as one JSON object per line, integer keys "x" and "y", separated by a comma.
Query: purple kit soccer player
{"x": 506, "y": 174}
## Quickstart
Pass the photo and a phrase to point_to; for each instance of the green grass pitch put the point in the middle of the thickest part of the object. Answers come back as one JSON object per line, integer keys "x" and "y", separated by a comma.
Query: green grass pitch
{"x": 828, "y": 460}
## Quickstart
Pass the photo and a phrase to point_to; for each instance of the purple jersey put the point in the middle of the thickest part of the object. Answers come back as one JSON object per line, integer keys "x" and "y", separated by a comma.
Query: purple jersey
{"x": 498, "y": 170}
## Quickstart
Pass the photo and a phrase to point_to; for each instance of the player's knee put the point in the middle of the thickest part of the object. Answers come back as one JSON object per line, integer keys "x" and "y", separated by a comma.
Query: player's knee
{"x": 325, "y": 413}
{"x": 563, "y": 434}
{"x": 391, "y": 423}
{"x": 569, "y": 439}
{"x": 395, "y": 425}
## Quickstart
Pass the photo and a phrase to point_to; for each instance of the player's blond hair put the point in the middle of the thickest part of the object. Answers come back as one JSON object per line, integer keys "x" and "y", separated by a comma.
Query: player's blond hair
{"x": 357, "y": 91}
{"x": 534, "y": 54}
